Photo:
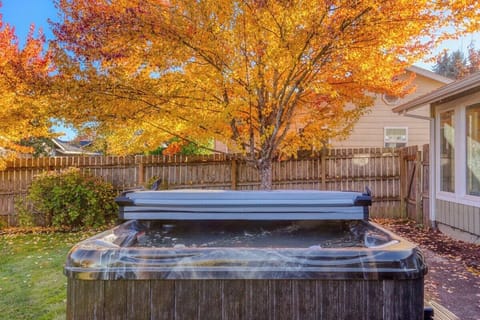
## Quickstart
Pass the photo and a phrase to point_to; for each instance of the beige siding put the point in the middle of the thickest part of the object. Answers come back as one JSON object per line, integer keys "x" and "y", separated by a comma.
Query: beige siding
{"x": 459, "y": 216}
{"x": 368, "y": 132}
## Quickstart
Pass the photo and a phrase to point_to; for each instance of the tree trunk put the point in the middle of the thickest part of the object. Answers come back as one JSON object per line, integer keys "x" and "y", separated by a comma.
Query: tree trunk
{"x": 265, "y": 171}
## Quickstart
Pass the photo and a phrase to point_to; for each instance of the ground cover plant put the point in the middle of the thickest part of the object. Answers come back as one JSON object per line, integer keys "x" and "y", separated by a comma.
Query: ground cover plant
{"x": 32, "y": 284}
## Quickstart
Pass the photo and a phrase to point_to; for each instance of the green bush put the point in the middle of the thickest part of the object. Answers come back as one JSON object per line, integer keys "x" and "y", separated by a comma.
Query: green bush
{"x": 68, "y": 199}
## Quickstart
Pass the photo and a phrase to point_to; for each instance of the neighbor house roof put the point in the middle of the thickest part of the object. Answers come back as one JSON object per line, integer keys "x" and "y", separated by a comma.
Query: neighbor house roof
{"x": 66, "y": 148}
{"x": 429, "y": 74}
{"x": 456, "y": 88}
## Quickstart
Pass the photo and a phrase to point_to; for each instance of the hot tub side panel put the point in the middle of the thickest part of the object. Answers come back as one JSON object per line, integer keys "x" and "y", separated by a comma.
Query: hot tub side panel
{"x": 245, "y": 299}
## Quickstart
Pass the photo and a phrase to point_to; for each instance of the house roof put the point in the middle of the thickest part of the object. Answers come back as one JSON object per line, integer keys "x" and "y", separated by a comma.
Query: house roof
{"x": 429, "y": 74}
{"x": 67, "y": 148}
{"x": 450, "y": 90}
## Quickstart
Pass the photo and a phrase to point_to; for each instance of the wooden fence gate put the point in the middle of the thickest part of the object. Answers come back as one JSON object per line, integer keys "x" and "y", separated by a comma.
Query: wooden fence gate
{"x": 414, "y": 186}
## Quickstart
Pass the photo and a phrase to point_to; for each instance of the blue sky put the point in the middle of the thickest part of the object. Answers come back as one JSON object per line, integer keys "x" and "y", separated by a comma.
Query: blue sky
{"x": 22, "y": 13}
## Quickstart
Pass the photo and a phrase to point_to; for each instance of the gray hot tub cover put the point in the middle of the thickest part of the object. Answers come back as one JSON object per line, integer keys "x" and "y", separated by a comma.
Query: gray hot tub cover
{"x": 243, "y": 205}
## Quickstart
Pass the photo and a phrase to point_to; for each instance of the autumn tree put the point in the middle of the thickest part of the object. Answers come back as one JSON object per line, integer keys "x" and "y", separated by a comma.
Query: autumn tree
{"x": 265, "y": 77}
{"x": 23, "y": 106}
{"x": 451, "y": 65}
{"x": 473, "y": 59}
{"x": 176, "y": 146}
{"x": 456, "y": 65}
{"x": 40, "y": 146}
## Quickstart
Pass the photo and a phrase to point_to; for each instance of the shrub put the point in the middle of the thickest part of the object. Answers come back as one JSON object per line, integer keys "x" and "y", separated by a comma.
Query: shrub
{"x": 68, "y": 199}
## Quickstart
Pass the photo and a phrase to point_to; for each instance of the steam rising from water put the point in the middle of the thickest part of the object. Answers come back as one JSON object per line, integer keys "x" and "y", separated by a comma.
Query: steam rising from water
{"x": 260, "y": 234}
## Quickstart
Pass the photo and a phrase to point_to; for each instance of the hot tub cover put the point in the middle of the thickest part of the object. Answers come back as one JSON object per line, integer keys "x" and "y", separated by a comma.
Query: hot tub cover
{"x": 243, "y": 205}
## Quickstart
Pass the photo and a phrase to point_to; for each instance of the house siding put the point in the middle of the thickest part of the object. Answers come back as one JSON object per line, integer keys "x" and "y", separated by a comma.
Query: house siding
{"x": 458, "y": 216}
{"x": 368, "y": 131}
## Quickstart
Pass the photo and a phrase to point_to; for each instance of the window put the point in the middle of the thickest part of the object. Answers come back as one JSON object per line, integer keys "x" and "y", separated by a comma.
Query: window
{"x": 447, "y": 151}
{"x": 473, "y": 150}
{"x": 457, "y": 151}
{"x": 395, "y": 137}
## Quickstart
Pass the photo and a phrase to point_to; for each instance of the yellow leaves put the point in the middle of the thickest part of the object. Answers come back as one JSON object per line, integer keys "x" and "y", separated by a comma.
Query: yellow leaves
{"x": 23, "y": 105}
{"x": 465, "y": 12}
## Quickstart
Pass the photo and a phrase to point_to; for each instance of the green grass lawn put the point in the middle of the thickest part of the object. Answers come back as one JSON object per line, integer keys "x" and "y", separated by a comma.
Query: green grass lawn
{"x": 32, "y": 284}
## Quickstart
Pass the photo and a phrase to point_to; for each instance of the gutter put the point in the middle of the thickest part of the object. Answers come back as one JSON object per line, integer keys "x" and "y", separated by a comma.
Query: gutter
{"x": 415, "y": 116}
{"x": 455, "y": 88}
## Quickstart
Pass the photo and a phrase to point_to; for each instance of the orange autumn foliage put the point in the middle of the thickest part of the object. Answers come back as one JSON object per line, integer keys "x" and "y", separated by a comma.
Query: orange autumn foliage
{"x": 243, "y": 72}
{"x": 23, "y": 107}
{"x": 173, "y": 149}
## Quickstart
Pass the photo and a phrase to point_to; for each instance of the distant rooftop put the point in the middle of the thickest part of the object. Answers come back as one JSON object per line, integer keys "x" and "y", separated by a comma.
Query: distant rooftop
{"x": 67, "y": 148}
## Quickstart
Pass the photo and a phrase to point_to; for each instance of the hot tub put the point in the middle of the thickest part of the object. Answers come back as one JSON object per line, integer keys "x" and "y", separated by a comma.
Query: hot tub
{"x": 245, "y": 255}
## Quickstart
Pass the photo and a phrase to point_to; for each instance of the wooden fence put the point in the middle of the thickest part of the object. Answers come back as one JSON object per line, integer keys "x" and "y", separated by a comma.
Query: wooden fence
{"x": 336, "y": 169}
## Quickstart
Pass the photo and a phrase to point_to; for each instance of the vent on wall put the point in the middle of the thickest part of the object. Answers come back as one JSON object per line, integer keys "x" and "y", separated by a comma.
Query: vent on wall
{"x": 390, "y": 100}
{"x": 395, "y": 137}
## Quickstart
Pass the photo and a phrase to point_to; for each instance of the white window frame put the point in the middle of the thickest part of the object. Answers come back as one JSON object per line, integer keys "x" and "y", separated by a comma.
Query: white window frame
{"x": 460, "y": 195}
{"x": 445, "y": 195}
{"x": 467, "y": 197}
{"x": 385, "y": 134}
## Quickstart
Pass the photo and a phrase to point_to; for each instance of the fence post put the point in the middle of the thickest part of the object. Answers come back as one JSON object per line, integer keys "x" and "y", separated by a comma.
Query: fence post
{"x": 425, "y": 187}
{"x": 403, "y": 182}
{"x": 234, "y": 175}
{"x": 323, "y": 167}
{"x": 418, "y": 193}
{"x": 141, "y": 172}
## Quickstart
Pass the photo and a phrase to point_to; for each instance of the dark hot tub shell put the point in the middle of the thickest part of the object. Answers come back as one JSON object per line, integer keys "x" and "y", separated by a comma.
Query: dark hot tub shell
{"x": 209, "y": 264}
